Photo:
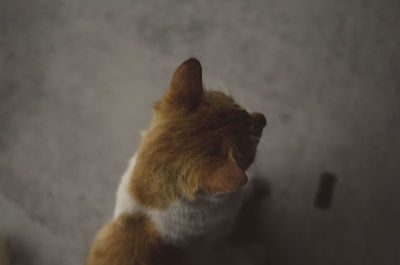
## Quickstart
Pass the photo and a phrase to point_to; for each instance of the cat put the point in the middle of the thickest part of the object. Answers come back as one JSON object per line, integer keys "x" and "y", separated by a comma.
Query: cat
{"x": 183, "y": 188}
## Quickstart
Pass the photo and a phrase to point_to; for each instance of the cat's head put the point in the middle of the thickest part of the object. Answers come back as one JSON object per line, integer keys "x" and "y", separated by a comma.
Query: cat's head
{"x": 198, "y": 140}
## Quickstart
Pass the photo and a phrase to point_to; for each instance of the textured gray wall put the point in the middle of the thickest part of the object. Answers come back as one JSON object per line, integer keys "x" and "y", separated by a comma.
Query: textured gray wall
{"x": 78, "y": 77}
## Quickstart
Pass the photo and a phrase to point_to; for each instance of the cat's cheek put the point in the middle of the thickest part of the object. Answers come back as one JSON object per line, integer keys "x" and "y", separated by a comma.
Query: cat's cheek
{"x": 225, "y": 180}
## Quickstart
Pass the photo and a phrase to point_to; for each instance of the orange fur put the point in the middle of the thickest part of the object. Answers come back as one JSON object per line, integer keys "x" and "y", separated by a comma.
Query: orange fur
{"x": 226, "y": 178}
{"x": 194, "y": 133}
{"x": 130, "y": 240}
{"x": 198, "y": 141}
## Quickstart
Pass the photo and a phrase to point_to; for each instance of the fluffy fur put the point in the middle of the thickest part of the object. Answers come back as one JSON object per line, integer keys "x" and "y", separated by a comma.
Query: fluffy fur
{"x": 181, "y": 193}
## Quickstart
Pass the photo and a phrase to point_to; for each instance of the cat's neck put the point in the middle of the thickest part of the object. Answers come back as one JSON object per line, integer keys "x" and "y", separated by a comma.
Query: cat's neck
{"x": 206, "y": 218}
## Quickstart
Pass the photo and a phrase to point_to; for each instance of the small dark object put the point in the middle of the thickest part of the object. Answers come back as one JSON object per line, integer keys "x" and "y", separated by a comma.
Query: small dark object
{"x": 324, "y": 194}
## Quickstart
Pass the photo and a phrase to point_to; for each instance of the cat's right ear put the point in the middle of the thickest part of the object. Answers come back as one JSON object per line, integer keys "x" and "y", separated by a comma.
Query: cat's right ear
{"x": 186, "y": 87}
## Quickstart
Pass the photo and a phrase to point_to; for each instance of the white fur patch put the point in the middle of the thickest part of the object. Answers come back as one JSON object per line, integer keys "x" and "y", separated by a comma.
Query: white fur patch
{"x": 207, "y": 218}
{"x": 125, "y": 202}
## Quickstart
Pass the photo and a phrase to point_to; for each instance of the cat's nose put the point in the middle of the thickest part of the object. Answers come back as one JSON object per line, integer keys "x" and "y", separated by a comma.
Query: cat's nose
{"x": 259, "y": 120}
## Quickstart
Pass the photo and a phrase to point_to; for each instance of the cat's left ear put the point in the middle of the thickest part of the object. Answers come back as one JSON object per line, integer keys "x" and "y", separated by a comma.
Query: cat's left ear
{"x": 226, "y": 177}
{"x": 186, "y": 88}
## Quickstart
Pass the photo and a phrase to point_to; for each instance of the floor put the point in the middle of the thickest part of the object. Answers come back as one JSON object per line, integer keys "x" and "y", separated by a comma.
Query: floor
{"x": 78, "y": 78}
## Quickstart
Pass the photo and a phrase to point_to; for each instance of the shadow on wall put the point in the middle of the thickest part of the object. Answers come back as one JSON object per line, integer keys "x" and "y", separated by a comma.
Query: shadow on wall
{"x": 260, "y": 238}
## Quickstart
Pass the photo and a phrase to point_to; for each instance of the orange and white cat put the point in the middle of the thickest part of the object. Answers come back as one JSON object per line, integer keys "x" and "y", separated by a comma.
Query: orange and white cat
{"x": 182, "y": 191}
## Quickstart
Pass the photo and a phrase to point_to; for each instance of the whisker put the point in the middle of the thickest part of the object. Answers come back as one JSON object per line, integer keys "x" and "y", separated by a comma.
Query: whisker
{"x": 241, "y": 102}
{"x": 239, "y": 154}
{"x": 259, "y": 139}
{"x": 224, "y": 87}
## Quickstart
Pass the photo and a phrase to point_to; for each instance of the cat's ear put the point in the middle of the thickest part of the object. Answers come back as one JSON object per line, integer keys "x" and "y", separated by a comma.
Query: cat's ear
{"x": 227, "y": 177}
{"x": 186, "y": 88}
